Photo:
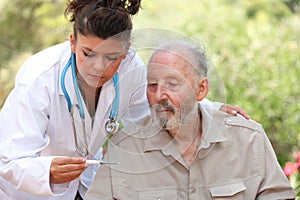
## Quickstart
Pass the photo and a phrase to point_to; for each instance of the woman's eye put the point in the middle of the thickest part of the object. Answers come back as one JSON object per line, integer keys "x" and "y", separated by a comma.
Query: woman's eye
{"x": 112, "y": 58}
{"x": 88, "y": 54}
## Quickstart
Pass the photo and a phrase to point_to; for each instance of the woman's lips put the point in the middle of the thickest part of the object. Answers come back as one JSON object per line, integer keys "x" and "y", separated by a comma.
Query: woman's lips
{"x": 96, "y": 77}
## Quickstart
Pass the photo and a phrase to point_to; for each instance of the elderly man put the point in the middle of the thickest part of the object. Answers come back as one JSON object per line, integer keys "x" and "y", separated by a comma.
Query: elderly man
{"x": 185, "y": 151}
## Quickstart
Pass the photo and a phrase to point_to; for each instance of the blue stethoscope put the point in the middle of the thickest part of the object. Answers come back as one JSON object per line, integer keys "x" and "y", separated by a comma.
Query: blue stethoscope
{"x": 111, "y": 126}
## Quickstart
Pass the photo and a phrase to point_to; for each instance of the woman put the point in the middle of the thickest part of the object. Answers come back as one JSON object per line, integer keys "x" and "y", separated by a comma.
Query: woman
{"x": 66, "y": 101}
{"x": 39, "y": 159}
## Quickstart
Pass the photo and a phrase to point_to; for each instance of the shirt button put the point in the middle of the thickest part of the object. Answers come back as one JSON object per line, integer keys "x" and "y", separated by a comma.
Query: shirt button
{"x": 192, "y": 190}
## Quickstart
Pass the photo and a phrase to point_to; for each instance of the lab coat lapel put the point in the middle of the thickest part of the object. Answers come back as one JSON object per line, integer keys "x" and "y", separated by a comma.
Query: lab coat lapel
{"x": 78, "y": 121}
{"x": 99, "y": 135}
{"x": 68, "y": 79}
{"x": 69, "y": 86}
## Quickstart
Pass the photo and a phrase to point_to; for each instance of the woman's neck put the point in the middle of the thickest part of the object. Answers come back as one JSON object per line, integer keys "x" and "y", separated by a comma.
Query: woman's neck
{"x": 90, "y": 95}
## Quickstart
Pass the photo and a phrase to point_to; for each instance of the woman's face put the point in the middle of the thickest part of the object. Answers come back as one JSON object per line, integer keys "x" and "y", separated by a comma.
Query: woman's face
{"x": 97, "y": 60}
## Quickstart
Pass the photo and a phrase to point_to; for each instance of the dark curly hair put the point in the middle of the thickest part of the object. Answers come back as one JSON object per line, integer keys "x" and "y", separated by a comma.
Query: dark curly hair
{"x": 102, "y": 18}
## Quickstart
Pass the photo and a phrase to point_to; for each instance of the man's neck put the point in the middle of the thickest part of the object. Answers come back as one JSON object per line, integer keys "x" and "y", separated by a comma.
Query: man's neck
{"x": 187, "y": 137}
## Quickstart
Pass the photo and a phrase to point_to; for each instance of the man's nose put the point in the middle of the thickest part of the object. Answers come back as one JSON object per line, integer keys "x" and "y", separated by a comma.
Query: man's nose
{"x": 161, "y": 93}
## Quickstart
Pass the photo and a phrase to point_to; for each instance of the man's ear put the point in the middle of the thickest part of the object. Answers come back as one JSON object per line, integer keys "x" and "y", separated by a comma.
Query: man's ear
{"x": 203, "y": 88}
{"x": 73, "y": 43}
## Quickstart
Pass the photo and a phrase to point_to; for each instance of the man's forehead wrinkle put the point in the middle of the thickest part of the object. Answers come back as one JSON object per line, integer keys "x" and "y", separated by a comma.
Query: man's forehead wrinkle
{"x": 181, "y": 64}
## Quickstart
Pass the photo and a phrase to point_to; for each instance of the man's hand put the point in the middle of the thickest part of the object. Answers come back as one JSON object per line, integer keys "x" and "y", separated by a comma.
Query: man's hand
{"x": 66, "y": 169}
{"x": 232, "y": 110}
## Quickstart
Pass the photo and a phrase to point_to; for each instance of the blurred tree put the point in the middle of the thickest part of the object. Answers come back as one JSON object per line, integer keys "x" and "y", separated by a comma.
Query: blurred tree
{"x": 30, "y": 25}
{"x": 27, "y": 26}
{"x": 294, "y": 5}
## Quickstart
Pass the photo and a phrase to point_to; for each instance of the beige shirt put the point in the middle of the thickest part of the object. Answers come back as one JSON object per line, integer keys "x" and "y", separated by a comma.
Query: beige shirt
{"x": 235, "y": 160}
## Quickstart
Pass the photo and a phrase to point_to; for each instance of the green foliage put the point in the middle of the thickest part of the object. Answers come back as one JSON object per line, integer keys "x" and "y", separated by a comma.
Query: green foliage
{"x": 27, "y": 26}
{"x": 295, "y": 182}
{"x": 8, "y": 73}
{"x": 30, "y": 25}
{"x": 293, "y": 5}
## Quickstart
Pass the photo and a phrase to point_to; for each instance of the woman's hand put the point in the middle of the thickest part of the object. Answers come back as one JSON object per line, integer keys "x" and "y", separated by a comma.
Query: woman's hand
{"x": 232, "y": 110}
{"x": 66, "y": 169}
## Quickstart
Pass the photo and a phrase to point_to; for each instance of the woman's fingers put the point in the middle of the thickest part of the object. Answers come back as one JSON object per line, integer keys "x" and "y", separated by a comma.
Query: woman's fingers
{"x": 66, "y": 169}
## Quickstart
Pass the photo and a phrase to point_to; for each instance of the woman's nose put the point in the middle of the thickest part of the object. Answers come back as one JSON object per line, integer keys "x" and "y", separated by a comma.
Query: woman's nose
{"x": 99, "y": 65}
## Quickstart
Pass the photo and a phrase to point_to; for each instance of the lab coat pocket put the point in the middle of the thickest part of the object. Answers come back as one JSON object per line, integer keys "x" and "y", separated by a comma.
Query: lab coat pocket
{"x": 155, "y": 194}
{"x": 228, "y": 191}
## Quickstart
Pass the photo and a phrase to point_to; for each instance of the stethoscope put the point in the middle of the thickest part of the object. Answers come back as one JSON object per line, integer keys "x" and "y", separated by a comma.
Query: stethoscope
{"x": 111, "y": 126}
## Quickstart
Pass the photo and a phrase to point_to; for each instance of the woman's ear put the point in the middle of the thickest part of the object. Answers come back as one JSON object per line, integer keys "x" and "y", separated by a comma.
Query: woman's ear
{"x": 203, "y": 88}
{"x": 127, "y": 47}
{"x": 73, "y": 43}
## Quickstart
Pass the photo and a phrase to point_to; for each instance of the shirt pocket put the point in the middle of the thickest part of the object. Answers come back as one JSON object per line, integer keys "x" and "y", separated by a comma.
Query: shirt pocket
{"x": 158, "y": 194}
{"x": 228, "y": 191}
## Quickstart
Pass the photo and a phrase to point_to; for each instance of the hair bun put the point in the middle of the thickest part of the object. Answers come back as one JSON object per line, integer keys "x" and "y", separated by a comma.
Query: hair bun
{"x": 129, "y": 6}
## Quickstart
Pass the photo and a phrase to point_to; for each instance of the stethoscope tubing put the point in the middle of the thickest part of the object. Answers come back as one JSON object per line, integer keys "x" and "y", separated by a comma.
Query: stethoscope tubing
{"x": 76, "y": 87}
{"x": 71, "y": 63}
{"x": 115, "y": 104}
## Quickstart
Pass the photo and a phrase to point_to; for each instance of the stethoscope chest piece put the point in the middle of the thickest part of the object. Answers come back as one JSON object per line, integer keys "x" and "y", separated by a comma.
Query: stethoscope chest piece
{"x": 112, "y": 126}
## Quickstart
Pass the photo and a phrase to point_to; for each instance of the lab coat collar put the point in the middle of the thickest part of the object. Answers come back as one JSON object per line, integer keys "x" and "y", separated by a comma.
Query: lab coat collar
{"x": 68, "y": 78}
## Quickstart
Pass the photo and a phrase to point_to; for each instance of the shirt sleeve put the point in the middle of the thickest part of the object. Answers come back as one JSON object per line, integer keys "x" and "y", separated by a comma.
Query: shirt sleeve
{"x": 275, "y": 184}
{"x": 29, "y": 174}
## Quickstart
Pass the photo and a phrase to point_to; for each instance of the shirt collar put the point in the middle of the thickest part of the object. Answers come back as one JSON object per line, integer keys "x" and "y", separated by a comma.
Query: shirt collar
{"x": 212, "y": 124}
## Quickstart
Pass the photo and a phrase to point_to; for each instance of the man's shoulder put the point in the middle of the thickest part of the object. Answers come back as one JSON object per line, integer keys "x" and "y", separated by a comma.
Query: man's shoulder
{"x": 221, "y": 118}
{"x": 133, "y": 131}
{"x": 218, "y": 123}
{"x": 241, "y": 129}
{"x": 240, "y": 121}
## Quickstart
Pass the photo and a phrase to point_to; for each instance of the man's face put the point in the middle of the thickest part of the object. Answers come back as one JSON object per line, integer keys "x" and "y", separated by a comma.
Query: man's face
{"x": 171, "y": 89}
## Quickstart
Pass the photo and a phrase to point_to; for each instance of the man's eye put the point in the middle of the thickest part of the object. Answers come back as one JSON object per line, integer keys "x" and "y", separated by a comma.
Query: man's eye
{"x": 152, "y": 86}
{"x": 173, "y": 86}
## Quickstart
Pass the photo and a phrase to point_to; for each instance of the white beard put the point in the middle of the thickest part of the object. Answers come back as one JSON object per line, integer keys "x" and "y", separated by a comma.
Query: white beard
{"x": 177, "y": 116}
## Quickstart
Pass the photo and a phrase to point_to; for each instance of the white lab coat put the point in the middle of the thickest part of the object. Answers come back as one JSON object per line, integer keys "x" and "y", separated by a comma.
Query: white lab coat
{"x": 36, "y": 124}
